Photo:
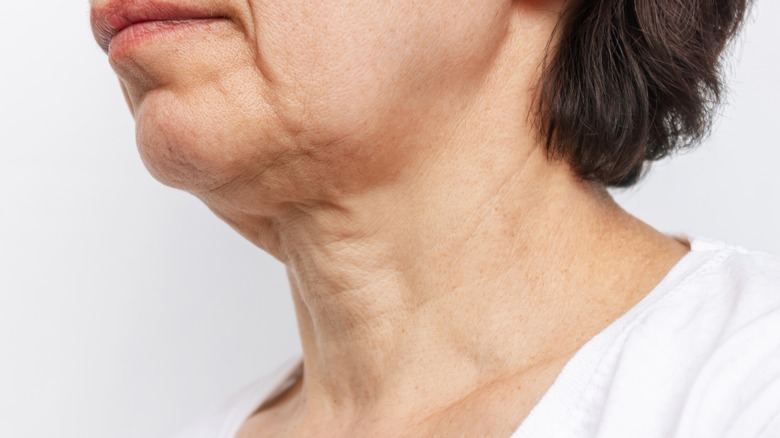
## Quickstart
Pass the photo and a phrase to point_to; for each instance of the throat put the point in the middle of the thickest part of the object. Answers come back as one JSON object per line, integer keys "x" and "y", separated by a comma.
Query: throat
{"x": 406, "y": 313}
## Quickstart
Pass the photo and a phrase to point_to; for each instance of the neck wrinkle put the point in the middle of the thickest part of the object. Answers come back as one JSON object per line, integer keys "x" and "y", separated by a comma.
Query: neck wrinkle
{"x": 399, "y": 298}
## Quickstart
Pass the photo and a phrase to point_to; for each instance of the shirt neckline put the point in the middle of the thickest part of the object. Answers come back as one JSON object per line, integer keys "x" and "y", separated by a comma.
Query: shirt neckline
{"x": 577, "y": 384}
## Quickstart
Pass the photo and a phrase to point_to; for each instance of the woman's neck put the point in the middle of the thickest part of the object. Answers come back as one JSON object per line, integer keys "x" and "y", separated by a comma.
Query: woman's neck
{"x": 410, "y": 299}
{"x": 454, "y": 257}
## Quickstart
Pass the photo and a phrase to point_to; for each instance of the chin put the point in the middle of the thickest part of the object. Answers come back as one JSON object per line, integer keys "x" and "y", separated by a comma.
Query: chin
{"x": 198, "y": 141}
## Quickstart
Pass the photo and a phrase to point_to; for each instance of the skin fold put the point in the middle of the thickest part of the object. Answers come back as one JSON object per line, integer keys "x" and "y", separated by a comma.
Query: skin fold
{"x": 443, "y": 269}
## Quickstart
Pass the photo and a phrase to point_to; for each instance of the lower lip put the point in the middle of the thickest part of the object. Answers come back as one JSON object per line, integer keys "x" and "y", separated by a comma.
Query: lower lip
{"x": 153, "y": 31}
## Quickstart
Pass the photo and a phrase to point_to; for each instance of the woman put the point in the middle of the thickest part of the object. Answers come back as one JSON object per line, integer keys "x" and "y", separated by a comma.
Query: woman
{"x": 433, "y": 175}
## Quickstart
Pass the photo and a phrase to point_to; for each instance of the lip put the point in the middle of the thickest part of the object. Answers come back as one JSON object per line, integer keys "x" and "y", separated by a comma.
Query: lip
{"x": 118, "y": 15}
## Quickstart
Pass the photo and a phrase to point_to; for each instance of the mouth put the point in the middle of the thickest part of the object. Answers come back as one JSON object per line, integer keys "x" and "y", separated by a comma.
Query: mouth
{"x": 127, "y": 21}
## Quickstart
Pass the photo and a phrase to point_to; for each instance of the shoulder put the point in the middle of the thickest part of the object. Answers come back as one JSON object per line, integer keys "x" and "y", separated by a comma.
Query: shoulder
{"x": 727, "y": 301}
{"x": 726, "y": 285}
{"x": 728, "y": 332}
{"x": 738, "y": 388}
{"x": 744, "y": 271}
{"x": 740, "y": 289}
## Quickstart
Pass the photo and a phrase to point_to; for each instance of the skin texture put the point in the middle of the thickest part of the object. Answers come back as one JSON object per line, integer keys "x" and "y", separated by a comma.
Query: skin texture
{"x": 442, "y": 268}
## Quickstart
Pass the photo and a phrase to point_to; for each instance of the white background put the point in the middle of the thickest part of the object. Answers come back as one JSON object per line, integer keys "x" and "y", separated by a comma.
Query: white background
{"x": 127, "y": 309}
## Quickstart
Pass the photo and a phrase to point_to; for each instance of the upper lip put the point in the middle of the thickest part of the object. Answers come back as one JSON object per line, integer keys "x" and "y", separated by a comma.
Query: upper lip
{"x": 110, "y": 19}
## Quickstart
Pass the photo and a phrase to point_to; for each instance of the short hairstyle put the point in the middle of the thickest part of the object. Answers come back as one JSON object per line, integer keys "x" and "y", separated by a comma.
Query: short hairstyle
{"x": 631, "y": 81}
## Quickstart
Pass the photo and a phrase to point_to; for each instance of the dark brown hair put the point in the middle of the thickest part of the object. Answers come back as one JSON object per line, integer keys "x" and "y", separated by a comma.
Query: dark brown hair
{"x": 630, "y": 81}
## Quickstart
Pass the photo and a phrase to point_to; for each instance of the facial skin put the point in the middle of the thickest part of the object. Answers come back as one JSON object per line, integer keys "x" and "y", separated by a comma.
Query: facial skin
{"x": 305, "y": 101}
{"x": 439, "y": 263}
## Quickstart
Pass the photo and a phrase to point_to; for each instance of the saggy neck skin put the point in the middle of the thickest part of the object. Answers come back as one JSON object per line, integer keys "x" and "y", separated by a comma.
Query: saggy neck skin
{"x": 482, "y": 260}
{"x": 409, "y": 300}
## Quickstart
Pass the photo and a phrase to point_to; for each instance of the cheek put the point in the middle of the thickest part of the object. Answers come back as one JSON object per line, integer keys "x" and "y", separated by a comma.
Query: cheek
{"x": 317, "y": 99}
{"x": 322, "y": 67}
{"x": 343, "y": 68}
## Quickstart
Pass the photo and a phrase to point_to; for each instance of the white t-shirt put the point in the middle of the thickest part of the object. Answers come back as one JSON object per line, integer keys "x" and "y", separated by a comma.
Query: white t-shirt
{"x": 699, "y": 356}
